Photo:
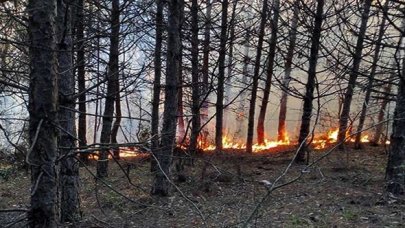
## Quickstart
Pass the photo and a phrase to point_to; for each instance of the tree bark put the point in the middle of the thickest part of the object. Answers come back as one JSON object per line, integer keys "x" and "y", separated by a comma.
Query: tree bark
{"x": 256, "y": 72}
{"x": 205, "y": 67}
{"x": 156, "y": 81}
{"x": 196, "y": 121}
{"x": 395, "y": 171}
{"x": 43, "y": 106}
{"x": 282, "y": 131}
{"x": 112, "y": 78}
{"x": 369, "y": 88}
{"x": 118, "y": 118}
{"x": 161, "y": 183}
{"x": 344, "y": 117}
{"x": 270, "y": 69}
{"x": 219, "y": 107}
{"x": 310, "y": 86}
{"x": 81, "y": 80}
{"x": 69, "y": 169}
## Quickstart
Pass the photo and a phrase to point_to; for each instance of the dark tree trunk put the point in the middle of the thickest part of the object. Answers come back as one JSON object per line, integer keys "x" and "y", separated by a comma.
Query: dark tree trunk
{"x": 219, "y": 107}
{"x": 180, "y": 115}
{"x": 161, "y": 184}
{"x": 81, "y": 81}
{"x": 156, "y": 81}
{"x": 282, "y": 131}
{"x": 205, "y": 67}
{"x": 270, "y": 69}
{"x": 228, "y": 81}
{"x": 118, "y": 117}
{"x": 256, "y": 72}
{"x": 43, "y": 111}
{"x": 196, "y": 121}
{"x": 369, "y": 87}
{"x": 395, "y": 172}
{"x": 310, "y": 86}
{"x": 69, "y": 169}
{"x": 344, "y": 117}
{"x": 112, "y": 78}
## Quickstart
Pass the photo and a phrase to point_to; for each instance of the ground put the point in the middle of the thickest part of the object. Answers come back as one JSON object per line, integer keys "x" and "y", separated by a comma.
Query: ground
{"x": 345, "y": 189}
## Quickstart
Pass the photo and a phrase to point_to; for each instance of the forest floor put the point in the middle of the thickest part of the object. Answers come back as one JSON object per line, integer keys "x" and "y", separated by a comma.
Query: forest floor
{"x": 345, "y": 189}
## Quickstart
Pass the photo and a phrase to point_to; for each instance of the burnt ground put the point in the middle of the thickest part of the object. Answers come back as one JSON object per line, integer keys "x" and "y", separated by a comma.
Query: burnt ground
{"x": 344, "y": 190}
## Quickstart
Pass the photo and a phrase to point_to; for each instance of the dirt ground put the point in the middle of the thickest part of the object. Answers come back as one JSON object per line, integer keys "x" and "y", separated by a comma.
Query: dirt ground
{"x": 345, "y": 189}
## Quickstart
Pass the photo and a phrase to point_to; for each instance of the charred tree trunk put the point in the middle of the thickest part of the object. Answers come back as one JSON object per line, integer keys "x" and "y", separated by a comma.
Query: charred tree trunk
{"x": 112, "y": 78}
{"x": 221, "y": 77}
{"x": 270, "y": 69}
{"x": 282, "y": 131}
{"x": 369, "y": 87}
{"x": 256, "y": 72}
{"x": 310, "y": 86}
{"x": 156, "y": 81}
{"x": 81, "y": 80}
{"x": 43, "y": 111}
{"x": 69, "y": 170}
{"x": 161, "y": 184}
{"x": 344, "y": 117}
{"x": 395, "y": 172}
{"x": 180, "y": 115}
{"x": 118, "y": 117}
{"x": 205, "y": 67}
{"x": 196, "y": 121}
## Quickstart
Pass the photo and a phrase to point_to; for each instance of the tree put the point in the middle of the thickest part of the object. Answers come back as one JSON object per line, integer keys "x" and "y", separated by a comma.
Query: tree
{"x": 161, "y": 183}
{"x": 282, "y": 132}
{"x": 310, "y": 85}
{"x": 256, "y": 72}
{"x": 270, "y": 70}
{"x": 112, "y": 78}
{"x": 395, "y": 171}
{"x": 43, "y": 106}
{"x": 81, "y": 80}
{"x": 69, "y": 170}
{"x": 370, "y": 82}
{"x": 196, "y": 120}
{"x": 219, "y": 106}
{"x": 156, "y": 81}
{"x": 354, "y": 72}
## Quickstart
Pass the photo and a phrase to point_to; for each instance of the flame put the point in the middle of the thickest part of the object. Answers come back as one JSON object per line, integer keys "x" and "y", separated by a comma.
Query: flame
{"x": 230, "y": 143}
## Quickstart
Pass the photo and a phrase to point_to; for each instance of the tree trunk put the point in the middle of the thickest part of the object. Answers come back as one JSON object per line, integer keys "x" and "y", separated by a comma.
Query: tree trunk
{"x": 228, "y": 81}
{"x": 156, "y": 81}
{"x": 205, "y": 67}
{"x": 180, "y": 115}
{"x": 395, "y": 172}
{"x": 256, "y": 72}
{"x": 112, "y": 78}
{"x": 221, "y": 76}
{"x": 344, "y": 117}
{"x": 310, "y": 86}
{"x": 369, "y": 87}
{"x": 161, "y": 184}
{"x": 282, "y": 131}
{"x": 69, "y": 170}
{"x": 118, "y": 117}
{"x": 196, "y": 121}
{"x": 43, "y": 106}
{"x": 81, "y": 80}
{"x": 270, "y": 69}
